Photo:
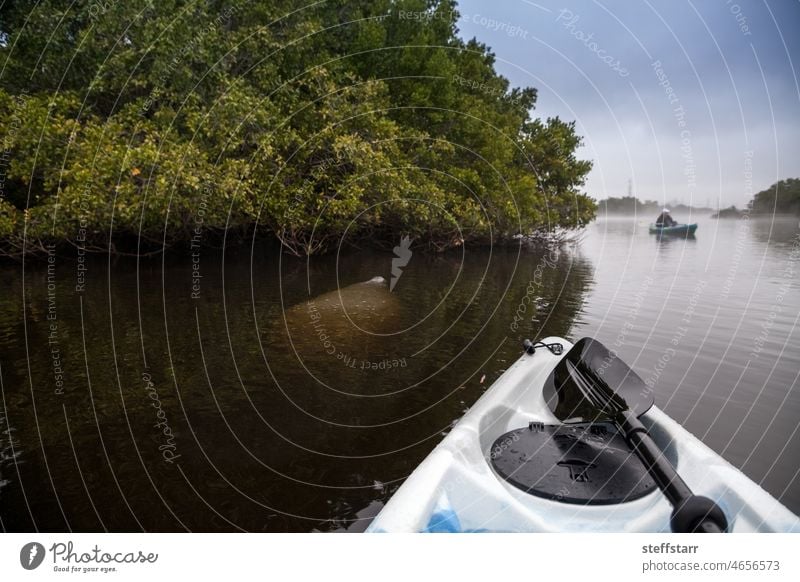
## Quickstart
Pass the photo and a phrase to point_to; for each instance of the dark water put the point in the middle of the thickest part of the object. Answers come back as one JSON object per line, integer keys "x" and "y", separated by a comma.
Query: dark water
{"x": 130, "y": 405}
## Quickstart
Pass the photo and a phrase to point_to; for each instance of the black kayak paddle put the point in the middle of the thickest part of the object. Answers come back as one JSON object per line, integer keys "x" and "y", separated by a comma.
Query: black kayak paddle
{"x": 591, "y": 384}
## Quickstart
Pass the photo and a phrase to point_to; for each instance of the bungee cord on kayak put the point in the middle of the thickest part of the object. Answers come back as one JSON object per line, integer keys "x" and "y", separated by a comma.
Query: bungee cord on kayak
{"x": 530, "y": 347}
{"x": 573, "y": 441}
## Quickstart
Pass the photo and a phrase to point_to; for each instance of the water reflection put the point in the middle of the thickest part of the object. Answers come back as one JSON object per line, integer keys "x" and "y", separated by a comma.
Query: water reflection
{"x": 10, "y": 450}
{"x": 274, "y": 432}
{"x": 712, "y": 324}
{"x": 778, "y": 230}
{"x": 266, "y": 437}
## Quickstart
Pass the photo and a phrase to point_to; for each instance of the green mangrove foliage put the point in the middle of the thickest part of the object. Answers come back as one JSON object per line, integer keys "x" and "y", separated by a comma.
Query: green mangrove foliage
{"x": 783, "y": 197}
{"x": 164, "y": 121}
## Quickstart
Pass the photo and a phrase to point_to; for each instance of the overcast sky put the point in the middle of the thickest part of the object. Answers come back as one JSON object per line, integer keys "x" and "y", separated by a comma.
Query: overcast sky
{"x": 724, "y": 102}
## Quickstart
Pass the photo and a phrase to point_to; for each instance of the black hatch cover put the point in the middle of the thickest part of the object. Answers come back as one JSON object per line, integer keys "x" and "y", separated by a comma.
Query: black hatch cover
{"x": 586, "y": 463}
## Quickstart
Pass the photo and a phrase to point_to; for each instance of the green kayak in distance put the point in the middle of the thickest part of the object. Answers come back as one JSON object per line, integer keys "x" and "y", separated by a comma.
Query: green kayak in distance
{"x": 679, "y": 229}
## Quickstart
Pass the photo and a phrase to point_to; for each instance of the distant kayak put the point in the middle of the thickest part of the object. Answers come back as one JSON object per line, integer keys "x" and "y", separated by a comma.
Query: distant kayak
{"x": 684, "y": 229}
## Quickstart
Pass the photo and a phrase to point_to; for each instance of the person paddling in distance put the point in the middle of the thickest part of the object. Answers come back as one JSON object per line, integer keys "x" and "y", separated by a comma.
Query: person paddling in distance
{"x": 665, "y": 220}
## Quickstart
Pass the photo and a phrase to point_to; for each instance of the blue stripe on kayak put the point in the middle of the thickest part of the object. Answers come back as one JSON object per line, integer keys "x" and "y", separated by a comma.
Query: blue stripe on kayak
{"x": 443, "y": 521}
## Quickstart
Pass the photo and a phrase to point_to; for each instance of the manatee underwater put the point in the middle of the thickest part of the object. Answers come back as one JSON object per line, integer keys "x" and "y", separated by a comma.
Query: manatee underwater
{"x": 347, "y": 324}
{"x": 323, "y": 351}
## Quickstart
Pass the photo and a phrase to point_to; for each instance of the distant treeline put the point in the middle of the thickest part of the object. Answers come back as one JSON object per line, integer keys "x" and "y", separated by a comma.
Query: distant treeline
{"x": 782, "y": 197}
{"x": 632, "y": 205}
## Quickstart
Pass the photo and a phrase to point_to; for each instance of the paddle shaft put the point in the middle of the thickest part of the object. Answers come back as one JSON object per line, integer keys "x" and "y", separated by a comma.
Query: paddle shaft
{"x": 593, "y": 383}
{"x": 671, "y": 484}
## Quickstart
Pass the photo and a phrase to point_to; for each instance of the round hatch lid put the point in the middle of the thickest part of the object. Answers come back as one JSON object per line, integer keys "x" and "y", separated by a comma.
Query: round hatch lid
{"x": 587, "y": 464}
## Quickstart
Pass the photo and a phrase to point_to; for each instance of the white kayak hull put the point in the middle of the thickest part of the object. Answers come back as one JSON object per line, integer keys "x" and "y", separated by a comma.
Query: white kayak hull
{"x": 455, "y": 488}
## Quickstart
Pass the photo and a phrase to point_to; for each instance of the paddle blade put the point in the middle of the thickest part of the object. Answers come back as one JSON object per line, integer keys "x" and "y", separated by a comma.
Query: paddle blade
{"x": 591, "y": 384}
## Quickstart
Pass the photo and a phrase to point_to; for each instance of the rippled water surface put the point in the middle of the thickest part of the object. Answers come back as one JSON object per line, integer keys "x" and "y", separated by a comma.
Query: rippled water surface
{"x": 250, "y": 390}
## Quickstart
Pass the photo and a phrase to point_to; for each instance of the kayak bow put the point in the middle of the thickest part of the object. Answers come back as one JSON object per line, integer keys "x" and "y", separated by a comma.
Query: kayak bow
{"x": 459, "y": 487}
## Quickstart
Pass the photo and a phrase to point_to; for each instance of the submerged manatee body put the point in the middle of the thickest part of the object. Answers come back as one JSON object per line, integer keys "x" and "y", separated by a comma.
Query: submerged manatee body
{"x": 345, "y": 318}
{"x": 366, "y": 300}
{"x": 344, "y": 341}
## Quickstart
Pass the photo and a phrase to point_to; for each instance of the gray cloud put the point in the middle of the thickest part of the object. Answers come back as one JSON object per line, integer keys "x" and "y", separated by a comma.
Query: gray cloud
{"x": 728, "y": 65}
